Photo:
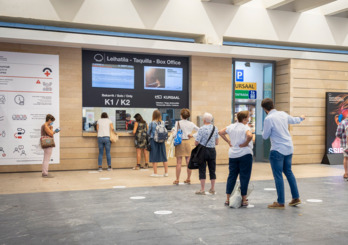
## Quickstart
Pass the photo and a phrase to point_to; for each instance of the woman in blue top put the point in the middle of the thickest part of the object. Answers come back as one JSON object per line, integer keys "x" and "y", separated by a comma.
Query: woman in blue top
{"x": 158, "y": 150}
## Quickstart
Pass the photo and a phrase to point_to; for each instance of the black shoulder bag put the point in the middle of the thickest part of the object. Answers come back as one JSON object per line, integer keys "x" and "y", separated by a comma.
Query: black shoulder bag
{"x": 197, "y": 154}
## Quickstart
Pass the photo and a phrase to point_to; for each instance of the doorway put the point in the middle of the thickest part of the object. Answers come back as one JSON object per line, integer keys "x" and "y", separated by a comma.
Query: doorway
{"x": 253, "y": 80}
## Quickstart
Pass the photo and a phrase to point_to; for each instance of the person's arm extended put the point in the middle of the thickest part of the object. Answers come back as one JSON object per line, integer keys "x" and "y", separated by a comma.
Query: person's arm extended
{"x": 296, "y": 120}
{"x": 223, "y": 133}
{"x": 267, "y": 129}
{"x": 249, "y": 137}
{"x": 111, "y": 127}
{"x": 135, "y": 127}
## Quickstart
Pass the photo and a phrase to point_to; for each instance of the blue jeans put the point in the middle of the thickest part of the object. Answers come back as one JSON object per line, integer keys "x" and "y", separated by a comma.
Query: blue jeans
{"x": 282, "y": 164}
{"x": 242, "y": 166}
{"x": 104, "y": 142}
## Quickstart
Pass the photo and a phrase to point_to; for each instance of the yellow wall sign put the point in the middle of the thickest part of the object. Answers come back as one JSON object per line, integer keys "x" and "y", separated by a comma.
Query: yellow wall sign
{"x": 245, "y": 86}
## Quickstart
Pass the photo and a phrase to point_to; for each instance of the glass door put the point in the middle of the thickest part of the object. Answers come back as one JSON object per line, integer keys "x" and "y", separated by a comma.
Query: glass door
{"x": 252, "y": 82}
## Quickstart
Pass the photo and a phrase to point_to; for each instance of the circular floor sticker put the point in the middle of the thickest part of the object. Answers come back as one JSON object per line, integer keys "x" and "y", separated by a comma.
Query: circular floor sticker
{"x": 93, "y": 172}
{"x": 163, "y": 212}
{"x": 118, "y": 187}
{"x": 314, "y": 200}
{"x": 104, "y": 178}
{"x": 269, "y": 189}
{"x": 137, "y": 198}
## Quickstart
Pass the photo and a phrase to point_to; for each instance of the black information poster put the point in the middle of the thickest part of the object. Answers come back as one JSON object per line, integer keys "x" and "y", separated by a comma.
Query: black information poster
{"x": 336, "y": 111}
{"x": 134, "y": 80}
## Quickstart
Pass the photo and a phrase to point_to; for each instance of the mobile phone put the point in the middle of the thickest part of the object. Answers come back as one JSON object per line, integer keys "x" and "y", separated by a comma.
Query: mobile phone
{"x": 57, "y": 130}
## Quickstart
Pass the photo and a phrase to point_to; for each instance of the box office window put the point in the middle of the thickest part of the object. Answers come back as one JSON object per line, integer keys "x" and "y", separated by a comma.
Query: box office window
{"x": 123, "y": 84}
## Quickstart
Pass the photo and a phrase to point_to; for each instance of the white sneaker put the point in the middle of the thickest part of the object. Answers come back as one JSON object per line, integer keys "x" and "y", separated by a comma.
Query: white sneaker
{"x": 100, "y": 169}
{"x": 109, "y": 169}
{"x": 165, "y": 175}
{"x": 155, "y": 175}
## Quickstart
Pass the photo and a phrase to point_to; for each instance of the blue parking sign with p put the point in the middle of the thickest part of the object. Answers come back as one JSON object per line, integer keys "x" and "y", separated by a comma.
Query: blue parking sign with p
{"x": 239, "y": 75}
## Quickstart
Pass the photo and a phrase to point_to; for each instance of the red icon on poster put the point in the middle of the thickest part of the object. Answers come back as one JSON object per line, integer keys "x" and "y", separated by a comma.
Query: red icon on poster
{"x": 47, "y": 71}
{"x": 38, "y": 82}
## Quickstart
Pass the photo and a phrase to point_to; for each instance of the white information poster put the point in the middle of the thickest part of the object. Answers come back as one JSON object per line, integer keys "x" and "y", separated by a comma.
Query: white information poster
{"x": 29, "y": 90}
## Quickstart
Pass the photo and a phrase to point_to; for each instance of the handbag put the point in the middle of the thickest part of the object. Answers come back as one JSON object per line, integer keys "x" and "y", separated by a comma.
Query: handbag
{"x": 113, "y": 137}
{"x": 197, "y": 154}
{"x": 236, "y": 196}
{"x": 178, "y": 137}
{"x": 47, "y": 141}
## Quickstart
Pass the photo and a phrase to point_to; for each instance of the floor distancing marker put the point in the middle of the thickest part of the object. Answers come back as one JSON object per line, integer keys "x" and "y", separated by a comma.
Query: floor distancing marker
{"x": 93, "y": 172}
{"x": 137, "y": 198}
{"x": 118, "y": 187}
{"x": 269, "y": 189}
{"x": 104, "y": 178}
{"x": 314, "y": 200}
{"x": 163, "y": 212}
{"x": 250, "y": 206}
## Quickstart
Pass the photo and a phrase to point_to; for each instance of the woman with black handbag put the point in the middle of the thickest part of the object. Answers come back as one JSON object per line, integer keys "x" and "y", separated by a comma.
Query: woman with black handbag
{"x": 208, "y": 137}
{"x": 140, "y": 133}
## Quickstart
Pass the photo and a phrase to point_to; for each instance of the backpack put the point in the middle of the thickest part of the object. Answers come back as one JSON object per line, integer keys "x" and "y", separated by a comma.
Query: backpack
{"x": 161, "y": 133}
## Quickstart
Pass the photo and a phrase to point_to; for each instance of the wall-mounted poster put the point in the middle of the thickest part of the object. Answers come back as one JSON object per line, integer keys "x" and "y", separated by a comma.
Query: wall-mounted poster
{"x": 127, "y": 80}
{"x": 29, "y": 90}
{"x": 336, "y": 111}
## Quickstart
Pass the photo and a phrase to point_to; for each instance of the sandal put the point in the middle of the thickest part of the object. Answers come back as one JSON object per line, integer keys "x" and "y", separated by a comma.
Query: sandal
{"x": 137, "y": 167}
{"x": 245, "y": 203}
{"x": 200, "y": 192}
{"x": 345, "y": 177}
{"x": 212, "y": 192}
{"x": 175, "y": 182}
{"x": 187, "y": 181}
{"x": 146, "y": 166}
{"x": 227, "y": 203}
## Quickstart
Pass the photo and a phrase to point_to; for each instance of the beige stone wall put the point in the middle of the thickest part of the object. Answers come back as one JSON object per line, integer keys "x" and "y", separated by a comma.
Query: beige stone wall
{"x": 211, "y": 91}
{"x": 300, "y": 89}
{"x": 310, "y": 80}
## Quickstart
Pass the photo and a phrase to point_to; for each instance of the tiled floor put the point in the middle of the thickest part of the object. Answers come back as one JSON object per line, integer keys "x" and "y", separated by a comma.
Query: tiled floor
{"x": 77, "y": 207}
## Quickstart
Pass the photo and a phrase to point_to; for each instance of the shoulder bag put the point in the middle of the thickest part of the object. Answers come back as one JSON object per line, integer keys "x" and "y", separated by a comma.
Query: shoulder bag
{"x": 113, "y": 136}
{"x": 197, "y": 154}
{"x": 47, "y": 141}
{"x": 178, "y": 137}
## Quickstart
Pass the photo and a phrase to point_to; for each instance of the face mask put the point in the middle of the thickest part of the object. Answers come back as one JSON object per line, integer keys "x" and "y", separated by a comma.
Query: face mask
{"x": 51, "y": 123}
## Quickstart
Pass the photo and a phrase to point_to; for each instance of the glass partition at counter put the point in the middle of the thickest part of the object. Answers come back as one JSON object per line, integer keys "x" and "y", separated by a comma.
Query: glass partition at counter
{"x": 123, "y": 118}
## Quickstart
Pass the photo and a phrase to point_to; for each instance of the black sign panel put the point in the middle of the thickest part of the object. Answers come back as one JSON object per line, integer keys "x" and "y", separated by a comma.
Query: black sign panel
{"x": 134, "y": 80}
{"x": 336, "y": 111}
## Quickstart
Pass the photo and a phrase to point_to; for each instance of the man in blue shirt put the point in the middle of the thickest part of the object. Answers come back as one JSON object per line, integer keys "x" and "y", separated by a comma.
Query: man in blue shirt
{"x": 276, "y": 126}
